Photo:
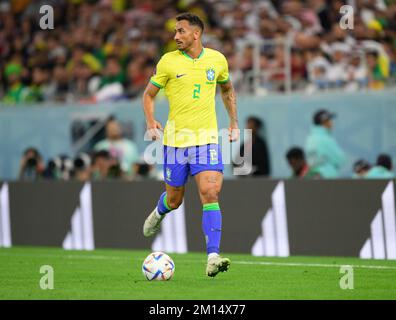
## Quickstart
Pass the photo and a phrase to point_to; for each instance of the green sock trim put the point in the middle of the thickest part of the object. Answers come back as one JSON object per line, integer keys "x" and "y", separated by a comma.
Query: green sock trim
{"x": 211, "y": 206}
{"x": 166, "y": 203}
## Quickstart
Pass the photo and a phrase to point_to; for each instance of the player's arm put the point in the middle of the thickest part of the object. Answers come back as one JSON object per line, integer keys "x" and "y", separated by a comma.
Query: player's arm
{"x": 229, "y": 99}
{"x": 157, "y": 81}
{"x": 148, "y": 106}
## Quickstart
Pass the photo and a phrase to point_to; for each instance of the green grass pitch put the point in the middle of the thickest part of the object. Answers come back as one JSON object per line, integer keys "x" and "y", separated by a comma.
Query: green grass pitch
{"x": 116, "y": 274}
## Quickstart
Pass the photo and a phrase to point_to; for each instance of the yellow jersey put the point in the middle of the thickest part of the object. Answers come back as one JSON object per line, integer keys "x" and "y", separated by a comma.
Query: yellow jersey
{"x": 190, "y": 86}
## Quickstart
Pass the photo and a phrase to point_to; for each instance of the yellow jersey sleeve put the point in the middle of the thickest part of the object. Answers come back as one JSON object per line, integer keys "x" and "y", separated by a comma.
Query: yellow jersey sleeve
{"x": 161, "y": 76}
{"x": 224, "y": 76}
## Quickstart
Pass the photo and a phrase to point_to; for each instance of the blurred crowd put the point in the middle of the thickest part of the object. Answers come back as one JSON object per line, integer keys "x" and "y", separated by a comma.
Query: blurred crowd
{"x": 117, "y": 157}
{"x": 101, "y": 50}
{"x": 114, "y": 157}
{"x": 322, "y": 157}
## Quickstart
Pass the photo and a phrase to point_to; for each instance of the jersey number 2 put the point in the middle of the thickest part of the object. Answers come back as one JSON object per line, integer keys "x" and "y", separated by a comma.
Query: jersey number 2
{"x": 197, "y": 91}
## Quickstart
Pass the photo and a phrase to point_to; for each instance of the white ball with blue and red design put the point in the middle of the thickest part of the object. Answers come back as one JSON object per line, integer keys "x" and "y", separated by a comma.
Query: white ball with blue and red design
{"x": 158, "y": 266}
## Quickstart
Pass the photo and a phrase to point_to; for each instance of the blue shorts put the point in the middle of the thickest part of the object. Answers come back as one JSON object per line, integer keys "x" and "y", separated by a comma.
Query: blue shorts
{"x": 180, "y": 162}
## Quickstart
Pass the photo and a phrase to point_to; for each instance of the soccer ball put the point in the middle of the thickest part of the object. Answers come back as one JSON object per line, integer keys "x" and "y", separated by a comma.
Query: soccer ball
{"x": 158, "y": 266}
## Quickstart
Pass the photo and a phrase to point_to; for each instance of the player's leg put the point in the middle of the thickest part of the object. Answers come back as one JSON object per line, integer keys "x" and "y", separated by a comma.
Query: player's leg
{"x": 176, "y": 174}
{"x": 169, "y": 200}
{"x": 209, "y": 178}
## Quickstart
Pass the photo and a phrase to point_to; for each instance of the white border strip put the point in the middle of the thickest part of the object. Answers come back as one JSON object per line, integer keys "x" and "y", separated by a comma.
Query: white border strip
{"x": 5, "y": 231}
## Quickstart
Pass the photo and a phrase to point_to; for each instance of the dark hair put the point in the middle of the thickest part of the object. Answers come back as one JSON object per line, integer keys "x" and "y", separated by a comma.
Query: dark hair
{"x": 361, "y": 164}
{"x": 373, "y": 53}
{"x": 384, "y": 160}
{"x": 295, "y": 153}
{"x": 111, "y": 117}
{"x": 100, "y": 154}
{"x": 79, "y": 46}
{"x": 257, "y": 122}
{"x": 193, "y": 19}
{"x": 112, "y": 57}
{"x": 33, "y": 150}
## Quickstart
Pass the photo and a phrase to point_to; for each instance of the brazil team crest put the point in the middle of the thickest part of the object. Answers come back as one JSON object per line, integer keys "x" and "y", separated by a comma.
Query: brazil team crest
{"x": 210, "y": 74}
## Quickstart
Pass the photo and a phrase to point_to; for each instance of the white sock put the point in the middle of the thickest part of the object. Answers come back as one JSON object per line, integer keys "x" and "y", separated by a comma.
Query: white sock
{"x": 157, "y": 213}
{"x": 213, "y": 254}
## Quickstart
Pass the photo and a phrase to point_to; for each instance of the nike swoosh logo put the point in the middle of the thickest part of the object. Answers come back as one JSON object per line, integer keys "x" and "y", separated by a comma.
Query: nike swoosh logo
{"x": 180, "y": 75}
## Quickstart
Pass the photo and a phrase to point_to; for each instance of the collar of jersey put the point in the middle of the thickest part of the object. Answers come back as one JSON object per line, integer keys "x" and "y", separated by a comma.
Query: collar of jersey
{"x": 186, "y": 55}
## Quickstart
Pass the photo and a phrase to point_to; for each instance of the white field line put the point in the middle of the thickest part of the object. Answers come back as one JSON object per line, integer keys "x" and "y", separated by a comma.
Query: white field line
{"x": 318, "y": 265}
{"x": 242, "y": 262}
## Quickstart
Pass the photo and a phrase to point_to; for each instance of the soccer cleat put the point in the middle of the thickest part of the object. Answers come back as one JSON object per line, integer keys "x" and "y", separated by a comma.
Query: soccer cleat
{"x": 217, "y": 264}
{"x": 152, "y": 224}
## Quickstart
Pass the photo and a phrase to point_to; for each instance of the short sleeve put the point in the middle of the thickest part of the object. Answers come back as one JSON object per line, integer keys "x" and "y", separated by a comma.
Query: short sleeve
{"x": 224, "y": 76}
{"x": 160, "y": 77}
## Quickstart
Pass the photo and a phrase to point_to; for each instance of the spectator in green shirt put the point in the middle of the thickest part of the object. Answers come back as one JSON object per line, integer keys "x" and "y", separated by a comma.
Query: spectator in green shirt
{"x": 118, "y": 147}
{"x": 16, "y": 91}
{"x": 112, "y": 72}
{"x": 324, "y": 154}
{"x": 382, "y": 169}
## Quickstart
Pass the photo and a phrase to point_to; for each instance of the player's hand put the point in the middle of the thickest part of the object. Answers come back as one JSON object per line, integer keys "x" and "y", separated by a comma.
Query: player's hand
{"x": 154, "y": 129}
{"x": 233, "y": 132}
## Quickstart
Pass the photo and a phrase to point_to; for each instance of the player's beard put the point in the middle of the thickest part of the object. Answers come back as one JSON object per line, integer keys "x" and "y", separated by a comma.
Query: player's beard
{"x": 184, "y": 45}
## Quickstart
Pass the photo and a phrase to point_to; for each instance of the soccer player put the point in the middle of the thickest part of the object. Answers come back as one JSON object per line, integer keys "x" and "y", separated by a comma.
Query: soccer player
{"x": 189, "y": 76}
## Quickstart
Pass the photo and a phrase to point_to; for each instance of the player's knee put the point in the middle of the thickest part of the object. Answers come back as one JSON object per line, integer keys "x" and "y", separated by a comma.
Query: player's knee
{"x": 174, "y": 203}
{"x": 210, "y": 195}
